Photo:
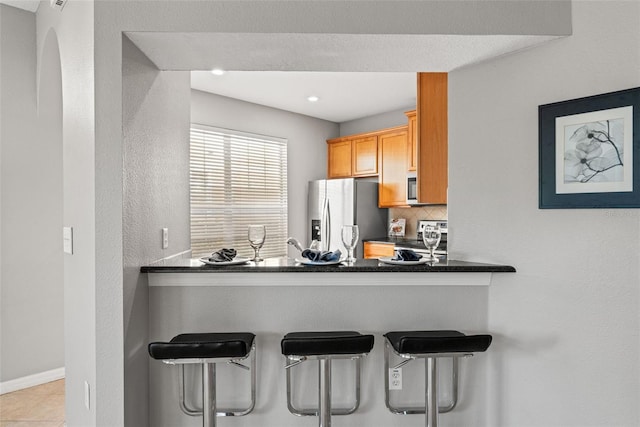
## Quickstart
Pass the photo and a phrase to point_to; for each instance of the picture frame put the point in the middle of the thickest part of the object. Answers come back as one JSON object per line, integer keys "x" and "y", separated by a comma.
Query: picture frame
{"x": 589, "y": 152}
{"x": 397, "y": 227}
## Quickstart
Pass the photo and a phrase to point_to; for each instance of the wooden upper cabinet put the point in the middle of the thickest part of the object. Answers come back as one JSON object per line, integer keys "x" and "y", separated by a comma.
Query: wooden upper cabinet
{"x": 338, "y": 158}
{"x": 412, "y": 139}
{"x": 364, "y": 156}
{"x": 352, "y": 156}
{"x": 432, "y": 131}
{"x": 392, "y": 149}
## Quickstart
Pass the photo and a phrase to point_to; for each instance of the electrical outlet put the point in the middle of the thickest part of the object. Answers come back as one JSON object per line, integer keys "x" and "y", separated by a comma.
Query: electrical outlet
{"x": 395, "y": 379}
{"x": 165, "y": 238}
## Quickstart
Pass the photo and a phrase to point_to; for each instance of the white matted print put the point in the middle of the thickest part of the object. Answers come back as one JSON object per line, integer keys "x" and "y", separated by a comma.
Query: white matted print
{"x": 594, "y": 152}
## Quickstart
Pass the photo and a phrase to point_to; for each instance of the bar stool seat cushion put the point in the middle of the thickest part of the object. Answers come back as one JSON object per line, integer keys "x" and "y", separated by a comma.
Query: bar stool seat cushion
{"x": 203, "y": 346}
{"x": 422, "y": 342}
{"x": 326, "y": 343}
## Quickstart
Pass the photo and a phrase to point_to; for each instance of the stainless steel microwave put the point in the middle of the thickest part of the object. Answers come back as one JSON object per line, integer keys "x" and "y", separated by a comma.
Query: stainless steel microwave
{"x": 412, "y": 189}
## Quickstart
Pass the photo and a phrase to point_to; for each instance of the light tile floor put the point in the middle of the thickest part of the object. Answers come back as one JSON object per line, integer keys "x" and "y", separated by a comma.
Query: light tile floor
{"x": 40, "y": 406}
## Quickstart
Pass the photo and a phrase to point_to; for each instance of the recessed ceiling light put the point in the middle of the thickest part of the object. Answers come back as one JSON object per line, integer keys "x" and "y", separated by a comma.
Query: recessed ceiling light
{"x": 313, "y": 98}
{"x": 217, "y": 72}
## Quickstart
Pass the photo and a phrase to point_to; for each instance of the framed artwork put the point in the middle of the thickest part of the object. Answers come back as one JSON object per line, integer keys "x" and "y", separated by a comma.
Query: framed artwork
{"x": 589, "y": 152}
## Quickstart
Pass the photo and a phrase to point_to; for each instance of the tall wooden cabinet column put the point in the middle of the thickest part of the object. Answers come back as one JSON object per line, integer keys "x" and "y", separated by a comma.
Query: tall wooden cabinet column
{"x": 432, "y": 120}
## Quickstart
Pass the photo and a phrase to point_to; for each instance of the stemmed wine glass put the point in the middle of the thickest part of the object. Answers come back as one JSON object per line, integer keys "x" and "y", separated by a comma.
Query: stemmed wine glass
{"x": 256, "y": 235}
{"x": 431, "y": 239}
{"x": 350, "y": 235}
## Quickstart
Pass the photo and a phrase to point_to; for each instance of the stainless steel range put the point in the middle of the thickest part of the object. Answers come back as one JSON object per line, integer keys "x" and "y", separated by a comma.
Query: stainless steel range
{"x": 419, "y": 246}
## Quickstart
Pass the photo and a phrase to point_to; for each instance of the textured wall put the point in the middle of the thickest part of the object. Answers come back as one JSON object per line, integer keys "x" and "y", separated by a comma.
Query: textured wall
{"x": 156, "y": 193}
{"x": 32, "y": 303}
{"x": 567, "y": 323}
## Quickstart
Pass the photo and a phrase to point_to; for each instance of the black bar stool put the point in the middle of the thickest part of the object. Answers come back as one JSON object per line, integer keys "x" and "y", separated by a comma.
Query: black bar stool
{"x": 325, "y": 347}
{"x": 430, "y": 345}
{"x": 207, "y": 349}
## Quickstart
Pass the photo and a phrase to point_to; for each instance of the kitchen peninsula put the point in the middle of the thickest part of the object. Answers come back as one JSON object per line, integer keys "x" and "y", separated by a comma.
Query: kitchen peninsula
{"x": 279, "y": 295}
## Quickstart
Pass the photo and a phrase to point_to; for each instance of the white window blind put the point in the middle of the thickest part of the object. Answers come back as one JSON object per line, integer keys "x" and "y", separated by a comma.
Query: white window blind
{"x": 237, "y": 179}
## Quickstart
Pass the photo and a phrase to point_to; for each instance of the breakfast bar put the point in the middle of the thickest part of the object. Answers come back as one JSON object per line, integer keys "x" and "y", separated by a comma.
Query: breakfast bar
{"x": 290, "y": 265}
{"x": 278, "y": 295}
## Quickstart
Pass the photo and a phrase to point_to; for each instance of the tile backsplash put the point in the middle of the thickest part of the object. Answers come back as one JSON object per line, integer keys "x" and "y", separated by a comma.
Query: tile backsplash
{"x": 412, "y": 215}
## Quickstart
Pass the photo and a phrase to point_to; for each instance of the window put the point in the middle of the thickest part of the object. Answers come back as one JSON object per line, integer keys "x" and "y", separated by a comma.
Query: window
{"x": 237, "y": 179}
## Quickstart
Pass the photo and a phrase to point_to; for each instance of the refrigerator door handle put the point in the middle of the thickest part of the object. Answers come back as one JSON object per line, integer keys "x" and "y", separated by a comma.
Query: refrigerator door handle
{"x": 325, "y": 226}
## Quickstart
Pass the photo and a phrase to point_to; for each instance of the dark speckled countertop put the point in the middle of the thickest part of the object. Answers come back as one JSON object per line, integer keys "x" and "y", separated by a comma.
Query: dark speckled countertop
{"x": 280, "y": 265}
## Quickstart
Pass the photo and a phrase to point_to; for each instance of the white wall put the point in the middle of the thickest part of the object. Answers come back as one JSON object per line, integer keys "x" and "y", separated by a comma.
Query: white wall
{"x": 272, "y": 311}
{"x": 74, "y": 31}
{"x": 31, "y": 264}
{"x": 306, "y": 143}
{"x": 566, "y": 325}
{"x": 376, "y": 122}
{"x": 156, "y": 194}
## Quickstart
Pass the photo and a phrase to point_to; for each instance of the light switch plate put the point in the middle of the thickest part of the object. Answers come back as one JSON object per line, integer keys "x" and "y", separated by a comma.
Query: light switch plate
{"x": 67, "y": 240}
{"x": 87, "y": 395}
{"x": 165, "y": 238}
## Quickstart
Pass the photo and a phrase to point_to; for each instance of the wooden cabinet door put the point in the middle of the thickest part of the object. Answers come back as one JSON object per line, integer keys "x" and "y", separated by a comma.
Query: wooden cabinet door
{"x": 432, "y": 138}
{"x": 339, "y": 159}
{"x": 364, "y": 156}
{"x": 392, "y": 189}
{"x": 377, "y": 250}
{"x": 412, "y": 147}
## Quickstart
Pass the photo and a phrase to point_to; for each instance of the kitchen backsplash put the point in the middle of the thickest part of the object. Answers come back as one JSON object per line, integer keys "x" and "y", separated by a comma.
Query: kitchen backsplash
{"x": 412, "y": 215}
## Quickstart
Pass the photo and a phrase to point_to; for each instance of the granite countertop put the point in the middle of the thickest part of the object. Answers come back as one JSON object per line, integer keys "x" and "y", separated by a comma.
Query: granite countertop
{"x": 280, "y": 265}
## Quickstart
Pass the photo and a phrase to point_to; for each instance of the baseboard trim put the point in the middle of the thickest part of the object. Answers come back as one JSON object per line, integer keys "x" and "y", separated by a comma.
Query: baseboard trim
{"x": 31, "y": 380}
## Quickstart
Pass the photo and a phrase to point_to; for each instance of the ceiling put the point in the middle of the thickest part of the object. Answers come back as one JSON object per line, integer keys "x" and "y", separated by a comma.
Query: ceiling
{"x": 354, "y": 75}
{"x": 342, "y": 96}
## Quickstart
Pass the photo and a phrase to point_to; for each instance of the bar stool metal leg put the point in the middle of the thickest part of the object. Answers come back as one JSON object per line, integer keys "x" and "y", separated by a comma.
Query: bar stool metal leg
{"x": 324, "y": 347}
{"x": 431, "y": 392}
{"x": 325, "y": 392}
{"x": 207, "y": 349}
{"x": 209, "y": 395}
{"x": 431, "y": 345}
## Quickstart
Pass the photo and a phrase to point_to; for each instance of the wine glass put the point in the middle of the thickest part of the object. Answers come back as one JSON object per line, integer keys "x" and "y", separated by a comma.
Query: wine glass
{"x": 431, "y": 238}
{"x": 256, "y": 235}
{"x": 350, "y": 235}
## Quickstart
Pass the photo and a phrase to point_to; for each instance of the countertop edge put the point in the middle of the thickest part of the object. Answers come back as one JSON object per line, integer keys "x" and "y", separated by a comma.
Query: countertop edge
{"x": 285, "y": 279}
{"x": 362, "y": 266}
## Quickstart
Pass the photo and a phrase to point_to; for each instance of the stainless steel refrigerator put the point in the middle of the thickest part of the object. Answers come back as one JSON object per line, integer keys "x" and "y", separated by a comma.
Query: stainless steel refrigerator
{"x": 333, "y": 203}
